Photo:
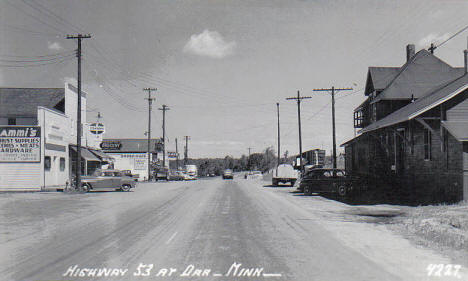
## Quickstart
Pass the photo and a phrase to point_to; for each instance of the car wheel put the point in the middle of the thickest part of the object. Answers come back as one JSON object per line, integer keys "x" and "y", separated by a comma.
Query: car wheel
{"x": 342, "y": 190}
{"x": 126, "y": 187}
{"x": 86, "y": 187}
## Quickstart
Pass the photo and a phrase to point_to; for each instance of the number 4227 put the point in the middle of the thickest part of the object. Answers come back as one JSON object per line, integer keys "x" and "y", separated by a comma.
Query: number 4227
{"x": 444, "y": 270}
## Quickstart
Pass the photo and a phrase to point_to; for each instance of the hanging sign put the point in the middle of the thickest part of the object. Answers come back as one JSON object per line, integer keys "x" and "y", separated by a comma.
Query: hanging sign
{"x": 96, "y": 128}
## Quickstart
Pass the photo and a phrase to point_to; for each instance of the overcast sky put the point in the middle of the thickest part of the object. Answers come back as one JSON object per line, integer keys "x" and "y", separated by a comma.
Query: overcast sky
{"x": 221, "y": 66}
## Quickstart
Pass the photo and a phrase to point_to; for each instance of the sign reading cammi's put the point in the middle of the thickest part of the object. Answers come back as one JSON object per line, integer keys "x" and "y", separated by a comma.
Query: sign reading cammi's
{"x": 20, "y": 144}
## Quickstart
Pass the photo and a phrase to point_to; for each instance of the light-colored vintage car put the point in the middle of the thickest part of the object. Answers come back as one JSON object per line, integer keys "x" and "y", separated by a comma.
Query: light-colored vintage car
{"x": 107, "y": 179}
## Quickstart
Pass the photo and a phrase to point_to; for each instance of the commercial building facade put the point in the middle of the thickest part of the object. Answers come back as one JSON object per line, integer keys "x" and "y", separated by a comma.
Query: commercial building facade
{"x": 48, "y": 163}
{"x": 132, "y": 154}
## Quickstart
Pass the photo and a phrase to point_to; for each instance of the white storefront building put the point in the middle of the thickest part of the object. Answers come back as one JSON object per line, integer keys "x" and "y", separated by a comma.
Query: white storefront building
{"x": 38, "y": 136}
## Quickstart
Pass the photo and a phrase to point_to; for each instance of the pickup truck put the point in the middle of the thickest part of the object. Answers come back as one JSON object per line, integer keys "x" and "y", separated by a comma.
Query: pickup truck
{"x": 284, "y": 174}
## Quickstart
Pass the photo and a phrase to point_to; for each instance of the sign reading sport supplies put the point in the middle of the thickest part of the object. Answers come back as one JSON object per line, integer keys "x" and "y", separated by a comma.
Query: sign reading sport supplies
{"x": 20, "y": 144}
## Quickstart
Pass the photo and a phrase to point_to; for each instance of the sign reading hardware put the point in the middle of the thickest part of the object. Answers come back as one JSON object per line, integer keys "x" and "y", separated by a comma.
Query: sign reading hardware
{"x": 20, "y": 144}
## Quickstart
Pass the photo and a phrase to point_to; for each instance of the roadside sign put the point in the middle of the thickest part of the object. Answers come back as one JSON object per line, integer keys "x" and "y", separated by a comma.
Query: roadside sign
{"x": 97, "y": 128}
{"x": 172, "y": 154}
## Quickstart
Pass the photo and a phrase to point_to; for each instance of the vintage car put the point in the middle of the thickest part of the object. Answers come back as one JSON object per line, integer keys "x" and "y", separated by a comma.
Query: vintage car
{"x": 128, "y": 173}
{"x": 228, "y": 174}
{"x": 107, "y": 179}
{"x": 329, "y": 181}
{"x": 176, "y": 175}
{"x": 161, "y": 173}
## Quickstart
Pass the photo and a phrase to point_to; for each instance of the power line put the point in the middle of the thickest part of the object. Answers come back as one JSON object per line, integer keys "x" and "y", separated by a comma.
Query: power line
{"x": 38, "y": 64}
{"x": 433, "y": 46}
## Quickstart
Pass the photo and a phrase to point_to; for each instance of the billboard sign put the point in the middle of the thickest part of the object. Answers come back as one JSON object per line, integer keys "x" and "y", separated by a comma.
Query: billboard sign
{"x": 20, "y": 144}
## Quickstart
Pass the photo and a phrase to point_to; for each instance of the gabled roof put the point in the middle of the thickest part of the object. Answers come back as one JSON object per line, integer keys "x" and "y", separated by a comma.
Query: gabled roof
{"x": 23, "y": 102}
{"x": 421, "y": 73}
{"x": 378, "y": 78}
{"x": 430, "y": 100}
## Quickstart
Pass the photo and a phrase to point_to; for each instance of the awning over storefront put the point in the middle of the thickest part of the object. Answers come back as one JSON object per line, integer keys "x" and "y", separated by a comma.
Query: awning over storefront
{"x": 103, "y": 156}
{"x": 459, "y": 129}
{"x": 86, "y": 154}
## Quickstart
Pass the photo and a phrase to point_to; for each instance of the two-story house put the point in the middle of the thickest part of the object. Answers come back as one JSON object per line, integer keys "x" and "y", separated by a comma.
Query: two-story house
{"x": 414, "y": 130}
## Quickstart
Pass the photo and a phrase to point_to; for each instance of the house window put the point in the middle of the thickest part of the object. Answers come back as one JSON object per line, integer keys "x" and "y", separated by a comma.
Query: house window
{"x": 427, "y": 144}
{"x": 374, "y": 112}
{"x": 11, "y": 121}
{"x": 62, "y": 164}
{"x": 47, "y": 163}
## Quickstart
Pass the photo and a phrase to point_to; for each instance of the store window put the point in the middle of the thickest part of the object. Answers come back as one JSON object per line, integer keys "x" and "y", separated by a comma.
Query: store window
{"x": 62, "y": 164}
{"x": 427, "y": 144}
{"x": 47, "y": 163}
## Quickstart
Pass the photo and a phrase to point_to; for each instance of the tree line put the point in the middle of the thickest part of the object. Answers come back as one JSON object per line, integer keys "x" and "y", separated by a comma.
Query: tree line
{"x": 260, "y": 161}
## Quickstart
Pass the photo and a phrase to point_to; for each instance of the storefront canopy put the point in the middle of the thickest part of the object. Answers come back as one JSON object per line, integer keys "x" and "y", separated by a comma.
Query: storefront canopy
{"x": 103, "y": 156}
{"x": 86, "y": 154}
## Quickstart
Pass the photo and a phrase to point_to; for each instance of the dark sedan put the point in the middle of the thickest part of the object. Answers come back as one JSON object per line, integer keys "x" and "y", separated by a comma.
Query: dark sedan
{"x": 328, "y": 181}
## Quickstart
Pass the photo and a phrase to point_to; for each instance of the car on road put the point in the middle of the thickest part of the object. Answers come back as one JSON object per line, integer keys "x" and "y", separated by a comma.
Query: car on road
{"x": 128, "y": 173}
{"x": 176, "y": 175}
{"x": 253, "y": 175}
{"x": 334, "y": 181}
{"x": 107, "y": 179}
{"x": 228, "y": 174}
{"x": 161, "y": 173}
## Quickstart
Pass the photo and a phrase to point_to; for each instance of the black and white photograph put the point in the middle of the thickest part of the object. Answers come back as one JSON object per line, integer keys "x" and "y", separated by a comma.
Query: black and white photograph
{"x": 222, "y": 140}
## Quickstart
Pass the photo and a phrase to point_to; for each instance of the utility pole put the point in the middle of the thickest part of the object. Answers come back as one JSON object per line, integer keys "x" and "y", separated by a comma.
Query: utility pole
{"x": 177, "y": 154}
{"x": 164, "y": 109}
{"x": 79, "y": 37}
{"x": 248, "y": 159}
{"x": 277, "y": 109}
{"x": 186, "y": 150}
{"x": 333, "y": 89}
{"x": 298, "y": 99}
{"x": 150, "y": 102}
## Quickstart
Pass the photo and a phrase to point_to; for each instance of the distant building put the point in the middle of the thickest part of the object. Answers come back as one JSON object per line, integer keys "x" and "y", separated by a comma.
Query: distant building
{"x": 414, "y": 129}
{"x": 43, "y": 160}
{"x": 132, "y": 154}
{"x": 313, "y": 157}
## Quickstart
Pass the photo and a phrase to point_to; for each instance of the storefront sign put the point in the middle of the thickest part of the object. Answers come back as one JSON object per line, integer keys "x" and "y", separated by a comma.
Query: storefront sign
{"x": 96, "y": 128}
{"x": 111, "y": 145}
{"x": 20, "y": 144}
{"x": 172, "y": 154}
{"x": 140, "y": 164}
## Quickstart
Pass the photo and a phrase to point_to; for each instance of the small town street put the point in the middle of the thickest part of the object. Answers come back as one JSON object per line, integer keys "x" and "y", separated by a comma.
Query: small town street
{"x": 207, "y": 229}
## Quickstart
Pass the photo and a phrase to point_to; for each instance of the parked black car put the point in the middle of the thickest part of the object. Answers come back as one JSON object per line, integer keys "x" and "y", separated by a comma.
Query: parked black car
{"x": 335, "y": 181}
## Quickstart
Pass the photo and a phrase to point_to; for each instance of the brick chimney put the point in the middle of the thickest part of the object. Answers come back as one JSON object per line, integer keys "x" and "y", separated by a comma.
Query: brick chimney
{"x": 410, "y": 51}
{"x": 465, "y": 58}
